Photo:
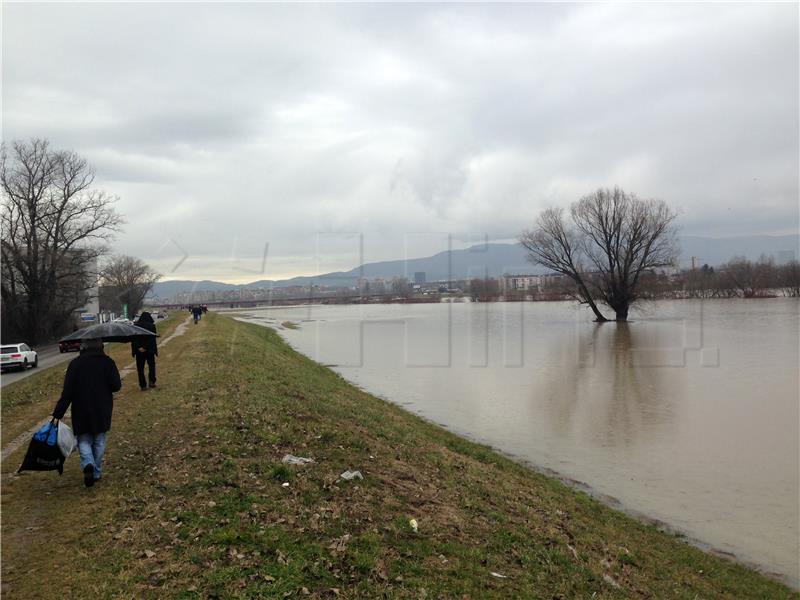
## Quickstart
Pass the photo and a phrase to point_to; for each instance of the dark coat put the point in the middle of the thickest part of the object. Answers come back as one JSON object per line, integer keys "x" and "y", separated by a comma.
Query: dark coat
{"x": 89, "y": 387}
{"x": 147, "y": 342}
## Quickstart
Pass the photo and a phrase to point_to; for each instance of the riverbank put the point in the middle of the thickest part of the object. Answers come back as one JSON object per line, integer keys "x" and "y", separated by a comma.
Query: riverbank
{"x": 196, "y": 502}
{"x": 629, "y": 410}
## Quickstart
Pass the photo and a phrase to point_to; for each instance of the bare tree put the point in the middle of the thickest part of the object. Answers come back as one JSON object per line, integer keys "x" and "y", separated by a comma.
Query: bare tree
{"x": 749, "y": 279}
{"x": 484, "y": 289}
{"x": 611, "y": 240}
{"x": 790, "y": 279}
{"x": 125, "y": 280}
{"x": 54, "y": 229}
{"x": 401, "y": 286}
{"x": 699, "y": 283}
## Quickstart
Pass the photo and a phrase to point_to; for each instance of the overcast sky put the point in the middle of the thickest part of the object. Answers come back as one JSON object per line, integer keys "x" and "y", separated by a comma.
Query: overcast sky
{"x": 224, "y": 128}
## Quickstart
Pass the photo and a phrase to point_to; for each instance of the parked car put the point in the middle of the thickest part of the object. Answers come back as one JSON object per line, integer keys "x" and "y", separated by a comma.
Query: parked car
{"x": 70, "y": 346}
{"x": 18, "y": 356}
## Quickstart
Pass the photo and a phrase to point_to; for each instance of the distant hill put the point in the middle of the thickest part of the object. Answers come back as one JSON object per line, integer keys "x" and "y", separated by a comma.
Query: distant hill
{"x": 717, "y": 251}
{"x": 482, "y": 260}
{"x": 168, "y": 289}
{"x": 493, "y": 260}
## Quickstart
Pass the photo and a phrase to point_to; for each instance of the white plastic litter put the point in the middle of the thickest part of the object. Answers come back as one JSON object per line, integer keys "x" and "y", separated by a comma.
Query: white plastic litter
{"x": 350, "y": 475}
{"x": 414, "y": 525}
{"x": 66, "y": 439}
{"x": 498, "y": 575}
{"x": 291, "y": 459}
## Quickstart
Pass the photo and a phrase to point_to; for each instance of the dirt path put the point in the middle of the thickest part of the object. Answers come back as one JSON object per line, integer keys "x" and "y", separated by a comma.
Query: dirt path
{"x": 21, "y": 439}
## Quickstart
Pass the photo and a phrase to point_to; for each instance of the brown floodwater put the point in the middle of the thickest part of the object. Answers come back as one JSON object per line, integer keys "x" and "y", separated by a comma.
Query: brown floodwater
{"x": 687, "y": 414}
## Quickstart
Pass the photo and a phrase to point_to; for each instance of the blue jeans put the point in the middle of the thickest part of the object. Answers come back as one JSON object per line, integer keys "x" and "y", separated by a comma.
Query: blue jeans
{"x": 91, "y": 447}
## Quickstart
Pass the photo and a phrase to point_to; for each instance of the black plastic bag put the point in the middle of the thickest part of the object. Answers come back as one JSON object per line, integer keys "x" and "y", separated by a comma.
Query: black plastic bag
{"x": 43, "y": 451}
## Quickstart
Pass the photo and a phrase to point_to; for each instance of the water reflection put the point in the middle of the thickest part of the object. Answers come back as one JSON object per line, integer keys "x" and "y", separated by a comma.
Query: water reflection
{"x": 605, "y": 397}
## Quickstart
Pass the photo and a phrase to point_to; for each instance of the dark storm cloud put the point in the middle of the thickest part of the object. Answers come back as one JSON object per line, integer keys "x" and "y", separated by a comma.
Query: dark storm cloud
{"x": 225, "y": 126}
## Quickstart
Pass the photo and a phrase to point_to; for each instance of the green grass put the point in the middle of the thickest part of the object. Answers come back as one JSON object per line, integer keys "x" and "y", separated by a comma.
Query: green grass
{"x": 194, "y": 503}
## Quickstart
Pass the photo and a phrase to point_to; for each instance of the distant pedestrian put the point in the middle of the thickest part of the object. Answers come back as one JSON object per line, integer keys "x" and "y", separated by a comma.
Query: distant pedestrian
{"x": 197, "y": 312}
{"x": 145, "y": 350}
{"x": 89, "y": 386}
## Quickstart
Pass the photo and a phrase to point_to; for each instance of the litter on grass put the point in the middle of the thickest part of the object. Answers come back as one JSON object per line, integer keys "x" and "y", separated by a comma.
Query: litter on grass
{"x": 350, "y": 475}
{"x": 340, "y": 544}
{"x": 291, "y": 459}
{"x": 498, "y": 575}
{"x": 414, "y": 525}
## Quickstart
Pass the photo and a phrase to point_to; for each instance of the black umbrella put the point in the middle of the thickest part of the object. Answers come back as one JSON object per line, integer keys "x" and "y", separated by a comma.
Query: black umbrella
{"x": 109, "y": 332}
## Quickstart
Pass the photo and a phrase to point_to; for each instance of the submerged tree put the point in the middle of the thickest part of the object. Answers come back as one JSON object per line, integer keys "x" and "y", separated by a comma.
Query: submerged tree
{"x": 483, "y": 289}
{"x": 125, "y": 281}
{"x": 760, "y": 279}
{"x": 55, "y": 226}
{"x": 790, "y": 279}
{"x": 605, "y": 246}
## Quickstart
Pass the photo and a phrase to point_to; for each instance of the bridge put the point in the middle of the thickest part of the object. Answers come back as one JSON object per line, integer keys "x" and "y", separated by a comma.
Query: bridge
{"x": 293, "y": 301}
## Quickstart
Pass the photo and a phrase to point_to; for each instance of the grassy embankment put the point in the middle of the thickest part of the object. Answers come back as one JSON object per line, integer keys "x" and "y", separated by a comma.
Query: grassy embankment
{"x": 194, "y": 503}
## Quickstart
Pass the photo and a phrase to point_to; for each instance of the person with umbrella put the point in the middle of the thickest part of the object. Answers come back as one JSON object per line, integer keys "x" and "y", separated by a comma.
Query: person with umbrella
{"x": 144, "y": 349}
{"x": 89, "y": 385}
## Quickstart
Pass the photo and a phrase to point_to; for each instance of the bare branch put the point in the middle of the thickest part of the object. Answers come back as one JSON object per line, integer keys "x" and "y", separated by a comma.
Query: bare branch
{"x": 54, "y": 227}
{"x": 614, "y": 239}
{"x": 125, "y": 280}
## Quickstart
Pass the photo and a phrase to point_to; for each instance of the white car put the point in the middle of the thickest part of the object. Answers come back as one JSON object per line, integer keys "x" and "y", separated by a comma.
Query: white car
{"x": 18, "y": 356}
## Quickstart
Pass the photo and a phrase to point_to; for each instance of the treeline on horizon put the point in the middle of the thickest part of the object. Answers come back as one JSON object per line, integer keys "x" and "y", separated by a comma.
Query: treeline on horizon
{"x": 738, "y": 278}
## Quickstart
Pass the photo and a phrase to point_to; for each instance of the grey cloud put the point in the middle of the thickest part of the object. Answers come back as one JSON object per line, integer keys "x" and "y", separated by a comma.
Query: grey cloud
{"x": 270, "y": 122}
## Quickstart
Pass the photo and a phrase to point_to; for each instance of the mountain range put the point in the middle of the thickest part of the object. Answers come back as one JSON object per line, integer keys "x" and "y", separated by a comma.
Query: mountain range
{"x": 492, "y": 260}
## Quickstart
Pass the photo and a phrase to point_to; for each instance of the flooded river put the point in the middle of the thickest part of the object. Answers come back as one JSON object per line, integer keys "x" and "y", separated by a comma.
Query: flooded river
{"x": 688, "y": 414}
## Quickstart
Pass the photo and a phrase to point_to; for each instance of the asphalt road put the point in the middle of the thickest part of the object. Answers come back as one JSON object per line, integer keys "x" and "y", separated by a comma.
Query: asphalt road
{"x": 48, "y": 357}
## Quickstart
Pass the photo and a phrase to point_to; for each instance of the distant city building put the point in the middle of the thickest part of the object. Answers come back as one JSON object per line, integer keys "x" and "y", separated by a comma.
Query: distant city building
{"x": 510, "y": 283}
{"x": 419, "y": 277}
{"x": 378, "y": 286}
{"x": 669, "y": 270}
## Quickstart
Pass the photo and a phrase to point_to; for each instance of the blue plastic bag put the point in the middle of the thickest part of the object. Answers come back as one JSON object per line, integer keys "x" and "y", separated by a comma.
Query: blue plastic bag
{"x": 48, "y": 434}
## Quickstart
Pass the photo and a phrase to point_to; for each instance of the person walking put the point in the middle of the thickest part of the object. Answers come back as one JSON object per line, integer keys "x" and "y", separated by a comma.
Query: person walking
{"x": 197, "y": 312}
{"x": 89, "y": 386}
{"x": 145, "y": 349}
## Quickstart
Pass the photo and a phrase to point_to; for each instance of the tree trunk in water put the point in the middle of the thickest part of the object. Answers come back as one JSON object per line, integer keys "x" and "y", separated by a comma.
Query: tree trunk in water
{"x": 598, "y": 315}
{"x": 587, "y": 298}
{"x": 622, "y": 312}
